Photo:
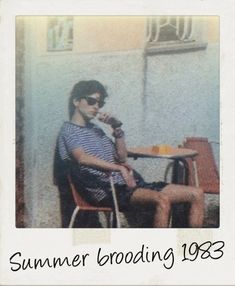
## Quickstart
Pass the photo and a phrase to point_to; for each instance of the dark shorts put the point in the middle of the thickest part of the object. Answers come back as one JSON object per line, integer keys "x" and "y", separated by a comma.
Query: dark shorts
{"x": 124, "y": 193}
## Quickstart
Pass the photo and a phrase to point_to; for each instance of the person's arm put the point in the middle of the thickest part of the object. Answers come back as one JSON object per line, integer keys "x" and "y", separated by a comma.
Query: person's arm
{"x": 120, "y": 144}
{"x": 92, "y": 161}
{"x": 118, "y": 134}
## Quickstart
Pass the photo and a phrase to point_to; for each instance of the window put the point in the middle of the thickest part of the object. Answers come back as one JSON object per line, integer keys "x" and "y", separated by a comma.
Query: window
{"x": 60, "y": 34}
{"x": 173, "y": 33}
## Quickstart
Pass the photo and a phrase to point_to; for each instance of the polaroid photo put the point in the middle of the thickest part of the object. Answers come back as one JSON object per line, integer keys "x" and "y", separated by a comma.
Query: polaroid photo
{"x": 116, "y": 158}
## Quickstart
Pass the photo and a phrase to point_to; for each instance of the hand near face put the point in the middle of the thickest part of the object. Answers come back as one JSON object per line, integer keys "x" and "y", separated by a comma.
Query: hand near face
{"x": 109, "y": 119}
{"x": 104, "y": 117}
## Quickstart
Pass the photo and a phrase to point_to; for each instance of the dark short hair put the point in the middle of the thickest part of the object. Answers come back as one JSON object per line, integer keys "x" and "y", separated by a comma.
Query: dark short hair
{"x": 84, "y": 88}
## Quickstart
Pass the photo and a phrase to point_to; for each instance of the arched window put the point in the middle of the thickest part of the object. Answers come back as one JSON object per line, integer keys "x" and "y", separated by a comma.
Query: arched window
{"x": 172, "y": 33}
{"x": 162, "y": 29}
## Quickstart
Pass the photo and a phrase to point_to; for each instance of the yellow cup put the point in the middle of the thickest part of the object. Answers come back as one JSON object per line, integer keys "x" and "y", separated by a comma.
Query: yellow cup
{"x": 164, "y": 149}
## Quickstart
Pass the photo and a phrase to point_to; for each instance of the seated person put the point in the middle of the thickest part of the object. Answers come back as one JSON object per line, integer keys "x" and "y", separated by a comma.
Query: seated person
{"x": 98, "y": 156}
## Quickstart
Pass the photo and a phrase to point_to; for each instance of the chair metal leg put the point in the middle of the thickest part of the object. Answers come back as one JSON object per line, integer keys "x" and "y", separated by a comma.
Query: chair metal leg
{"x": 116, "y": 209}
{"x": 111, "y": 219}
{"x": 73, "y": 217}
{"x": 195, "y": 173}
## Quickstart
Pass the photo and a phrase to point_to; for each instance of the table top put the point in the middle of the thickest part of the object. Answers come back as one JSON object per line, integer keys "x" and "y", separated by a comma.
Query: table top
{"x": 159, "y": 152}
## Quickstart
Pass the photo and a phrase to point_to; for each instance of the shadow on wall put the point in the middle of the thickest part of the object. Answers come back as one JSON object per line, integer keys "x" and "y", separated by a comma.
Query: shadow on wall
{"x": 20, "y": 205}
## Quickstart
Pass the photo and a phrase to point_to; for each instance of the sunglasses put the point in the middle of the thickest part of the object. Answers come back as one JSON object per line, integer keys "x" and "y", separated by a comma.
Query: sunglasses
{"x": 93, "y": 101}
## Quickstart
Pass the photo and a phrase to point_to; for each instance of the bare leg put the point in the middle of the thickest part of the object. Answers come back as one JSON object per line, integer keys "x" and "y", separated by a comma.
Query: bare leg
{"x": 158, "y": 200}
{"x": 162, "y": 201}
{"x": 192, "y": 195}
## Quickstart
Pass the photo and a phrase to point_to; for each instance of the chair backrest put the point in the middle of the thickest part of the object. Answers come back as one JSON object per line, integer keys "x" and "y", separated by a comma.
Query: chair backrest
{"x": 207, "y": 170}
{"x": 81, "y": 202}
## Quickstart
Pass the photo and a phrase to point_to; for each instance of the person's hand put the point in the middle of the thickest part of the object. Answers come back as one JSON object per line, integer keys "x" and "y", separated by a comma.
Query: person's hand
{"x": 128, "y": 166}
{"x": 128, "y": 177}
{"x": 104, "y": 117}
{"x": 109, "y": 119}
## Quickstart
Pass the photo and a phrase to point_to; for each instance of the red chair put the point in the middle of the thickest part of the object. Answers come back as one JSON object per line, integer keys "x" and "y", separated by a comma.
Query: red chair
{"x": 82, "y": 205}
{"x": 208, "y": 175}
{"x": 71, "y": 201}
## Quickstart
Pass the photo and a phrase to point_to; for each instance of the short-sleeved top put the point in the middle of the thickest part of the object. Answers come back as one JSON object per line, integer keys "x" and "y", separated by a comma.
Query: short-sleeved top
{"x": 92, "y": 139}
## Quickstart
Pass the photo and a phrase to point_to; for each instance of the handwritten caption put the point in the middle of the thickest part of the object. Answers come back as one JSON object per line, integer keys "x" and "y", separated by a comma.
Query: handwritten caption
{"x": 190, "y": 252}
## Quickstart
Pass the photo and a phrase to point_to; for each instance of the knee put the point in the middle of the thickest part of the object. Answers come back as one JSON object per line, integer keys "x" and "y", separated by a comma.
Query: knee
{"x": 163, "y": 202}
{"x": 198, "y": 195}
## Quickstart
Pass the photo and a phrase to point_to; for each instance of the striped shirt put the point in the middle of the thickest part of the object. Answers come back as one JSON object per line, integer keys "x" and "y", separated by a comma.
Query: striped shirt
{"x": 93, "y": 141}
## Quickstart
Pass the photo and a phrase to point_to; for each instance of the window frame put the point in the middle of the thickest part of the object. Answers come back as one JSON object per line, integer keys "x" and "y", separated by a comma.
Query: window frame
{"x": 56, "y": 49}
{"x": 195, "y": 40}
